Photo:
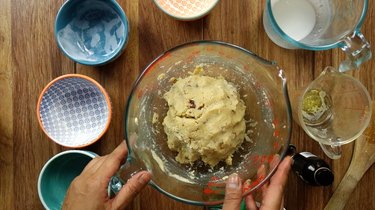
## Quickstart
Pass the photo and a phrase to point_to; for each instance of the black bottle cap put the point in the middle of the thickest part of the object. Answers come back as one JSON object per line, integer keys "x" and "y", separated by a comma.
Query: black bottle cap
{"x": 323, "y": 176}
{"x": 291, "y": 150}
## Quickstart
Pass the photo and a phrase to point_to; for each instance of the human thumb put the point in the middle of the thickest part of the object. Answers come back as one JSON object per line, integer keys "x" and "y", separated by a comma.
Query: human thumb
{"x": 233, "y": 193}
{"x": 131, "y": 189}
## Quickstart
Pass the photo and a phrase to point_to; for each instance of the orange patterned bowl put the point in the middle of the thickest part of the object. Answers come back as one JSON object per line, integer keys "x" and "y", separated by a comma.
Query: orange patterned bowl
{"x": 186, "y": 9}
{"x": 74, "y": 110}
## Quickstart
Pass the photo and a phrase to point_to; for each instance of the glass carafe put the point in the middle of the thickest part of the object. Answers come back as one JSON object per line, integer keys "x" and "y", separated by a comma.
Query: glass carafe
{"x": 334, "y": 110}
{"x": 319, "y": 25}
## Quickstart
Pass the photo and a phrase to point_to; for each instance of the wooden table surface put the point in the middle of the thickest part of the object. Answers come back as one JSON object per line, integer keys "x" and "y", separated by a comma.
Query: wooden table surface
{"x": 30, "y": 58}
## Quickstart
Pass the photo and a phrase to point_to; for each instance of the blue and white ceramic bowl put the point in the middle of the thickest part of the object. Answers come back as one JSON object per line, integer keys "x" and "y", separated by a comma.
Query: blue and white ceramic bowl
{"x": 74, "y": 110}
{"x": 91, "y": 32}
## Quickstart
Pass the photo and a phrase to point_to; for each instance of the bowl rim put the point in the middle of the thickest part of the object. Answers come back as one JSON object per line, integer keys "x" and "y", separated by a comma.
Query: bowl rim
{"x": 187, "y": 18}
{"x": 102, "y": 90}
{"x": 114, "y": 55}
{"x": 288, "y": 110}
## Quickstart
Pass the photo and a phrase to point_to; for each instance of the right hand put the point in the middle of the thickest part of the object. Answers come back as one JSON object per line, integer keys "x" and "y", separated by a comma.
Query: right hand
{"x": 272, "y": 192}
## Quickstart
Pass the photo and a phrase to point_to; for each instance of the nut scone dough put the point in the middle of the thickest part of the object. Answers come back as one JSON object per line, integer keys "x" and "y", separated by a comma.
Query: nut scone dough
{"x": 205, "y": 119}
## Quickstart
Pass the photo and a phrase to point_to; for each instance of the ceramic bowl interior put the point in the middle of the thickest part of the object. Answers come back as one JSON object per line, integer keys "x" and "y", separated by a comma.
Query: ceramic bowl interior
{"x": 91, "y": 32}
{"x": 57, "y": 174}
{"x": 74, "y": 111}
{"x": 186, "y": 9}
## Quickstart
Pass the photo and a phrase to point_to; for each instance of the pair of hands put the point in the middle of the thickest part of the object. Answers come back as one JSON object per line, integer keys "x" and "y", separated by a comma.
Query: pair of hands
{"x": 89, "y": 190}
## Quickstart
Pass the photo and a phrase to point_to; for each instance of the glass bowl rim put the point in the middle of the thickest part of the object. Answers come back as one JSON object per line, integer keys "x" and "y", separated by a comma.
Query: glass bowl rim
{"x": 262, "y": 60}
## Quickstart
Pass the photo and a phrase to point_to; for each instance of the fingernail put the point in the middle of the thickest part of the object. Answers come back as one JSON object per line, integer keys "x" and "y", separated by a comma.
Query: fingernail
{"x": 247, "y": 182}
{"x": 262, "y": 167}
{"x": 233, "y": 181}
{"x": 143, "y": 178}
{"x": 246, "y": 185}
{"x": 291, "y": 161}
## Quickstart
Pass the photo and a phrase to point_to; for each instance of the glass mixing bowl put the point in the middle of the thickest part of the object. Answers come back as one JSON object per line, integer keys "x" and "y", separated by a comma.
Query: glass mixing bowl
{"x": 262, "y": 86}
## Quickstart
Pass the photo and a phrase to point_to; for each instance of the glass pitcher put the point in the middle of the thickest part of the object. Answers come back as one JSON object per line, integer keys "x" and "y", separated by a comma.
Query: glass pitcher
{"x": 334, "y": 110}
{"x": 261, "y": 85}
{"x": 319, "y": 25}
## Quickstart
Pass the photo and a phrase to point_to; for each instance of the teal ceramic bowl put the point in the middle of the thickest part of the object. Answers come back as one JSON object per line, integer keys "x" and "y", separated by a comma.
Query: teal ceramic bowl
{"x": 57, "y": 174}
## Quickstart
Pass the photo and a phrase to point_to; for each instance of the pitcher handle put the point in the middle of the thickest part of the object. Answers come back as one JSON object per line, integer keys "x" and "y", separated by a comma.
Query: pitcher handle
{"x": 129, "y": 169}
{"x": 332, "y": 151}
{"x": 357, "y": 49}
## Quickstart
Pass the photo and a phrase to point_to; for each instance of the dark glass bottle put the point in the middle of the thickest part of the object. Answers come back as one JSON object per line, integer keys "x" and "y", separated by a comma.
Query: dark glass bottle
{"x": 312, "y": 169}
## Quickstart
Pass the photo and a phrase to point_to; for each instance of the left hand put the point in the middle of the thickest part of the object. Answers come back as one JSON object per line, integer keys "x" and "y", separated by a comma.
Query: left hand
{"x": 89, "y": 189}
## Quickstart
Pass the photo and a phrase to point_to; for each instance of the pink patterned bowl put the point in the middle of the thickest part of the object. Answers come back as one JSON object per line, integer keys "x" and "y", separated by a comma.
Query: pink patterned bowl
{"x": 186, "y": 9}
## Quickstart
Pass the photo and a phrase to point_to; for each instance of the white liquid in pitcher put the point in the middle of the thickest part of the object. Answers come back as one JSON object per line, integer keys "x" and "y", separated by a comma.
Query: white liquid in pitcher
{"x": 295, "y": 17}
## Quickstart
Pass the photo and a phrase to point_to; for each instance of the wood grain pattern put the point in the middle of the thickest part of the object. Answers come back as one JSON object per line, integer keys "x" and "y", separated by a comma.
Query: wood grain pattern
{"x": 36, "y": 61}
{"x": 6, "y": 109}
{"x": 30, "y": 58}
